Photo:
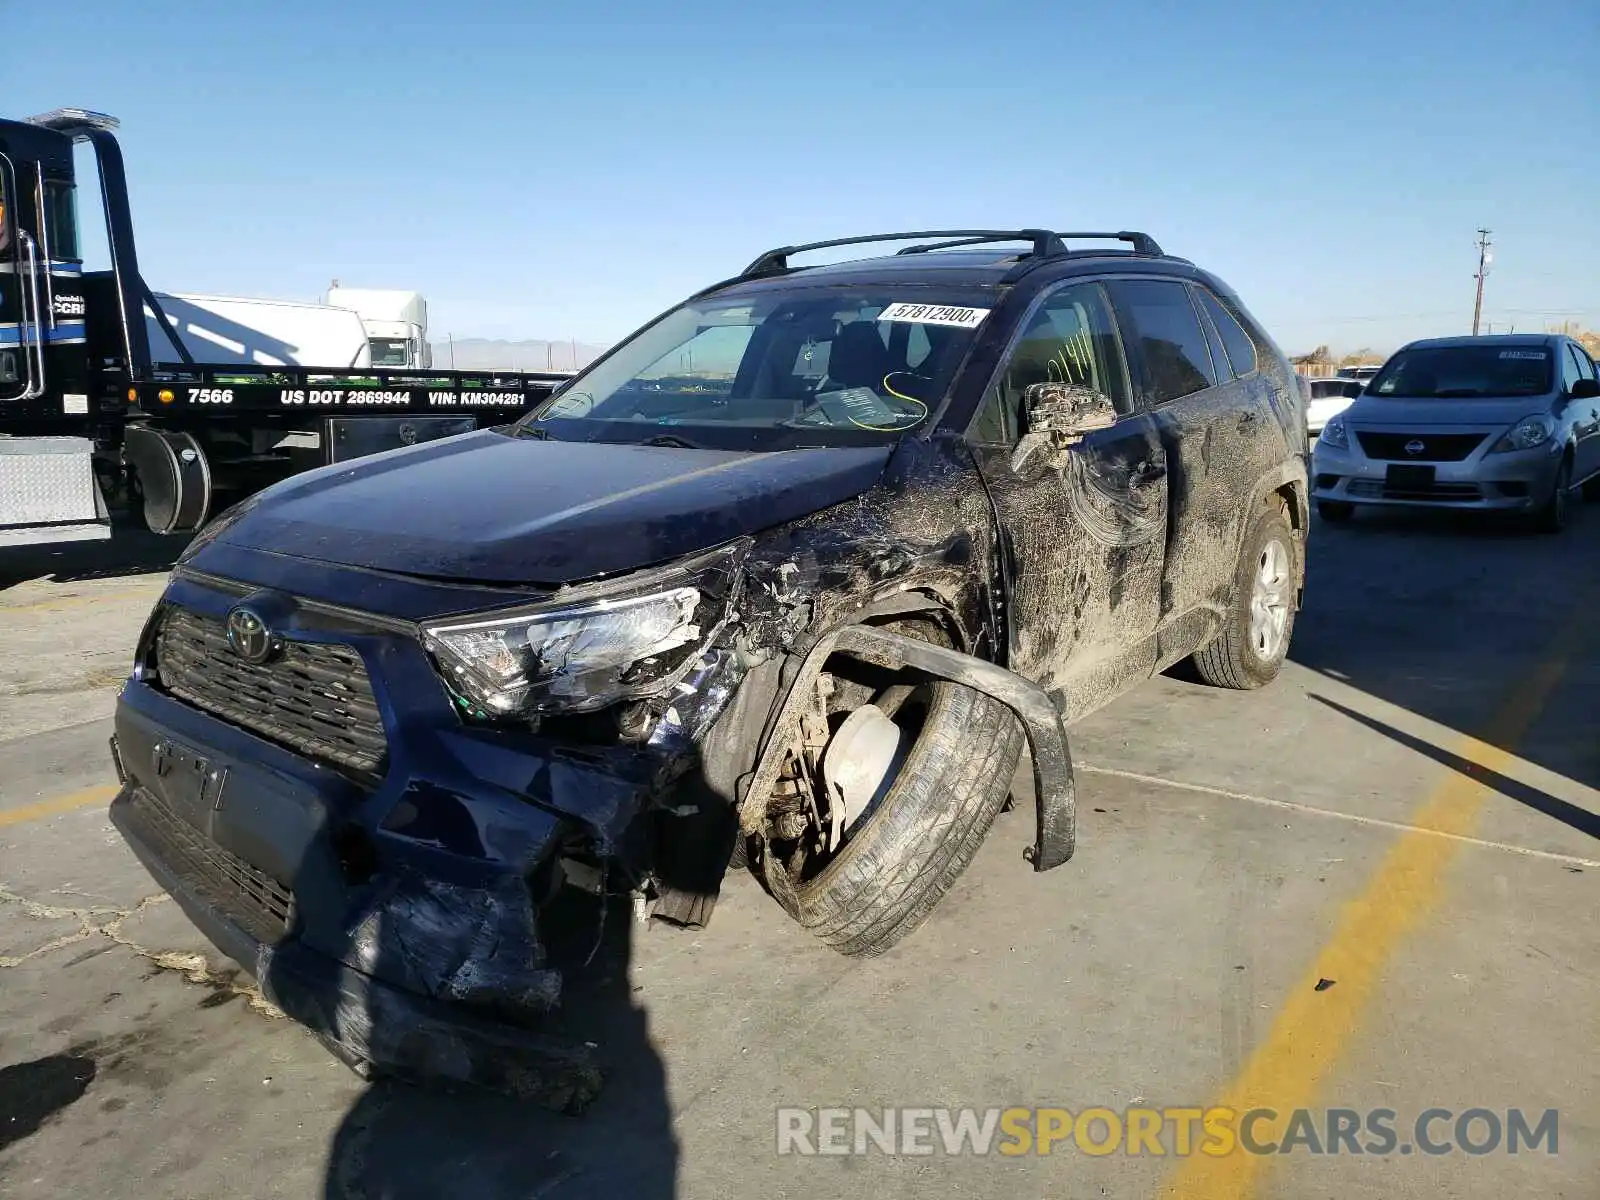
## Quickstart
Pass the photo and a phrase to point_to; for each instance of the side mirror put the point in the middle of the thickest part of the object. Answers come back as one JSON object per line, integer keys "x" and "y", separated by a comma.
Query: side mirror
{"x": 1066, "y": 411}
{"x": 1058, "y": 415}
{"x": 1585, "y": 389}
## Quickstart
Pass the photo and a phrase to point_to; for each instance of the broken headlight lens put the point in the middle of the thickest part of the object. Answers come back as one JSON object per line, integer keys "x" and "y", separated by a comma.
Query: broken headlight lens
{"x": 1333, "y": 435}
{"x": 585, "y": 655}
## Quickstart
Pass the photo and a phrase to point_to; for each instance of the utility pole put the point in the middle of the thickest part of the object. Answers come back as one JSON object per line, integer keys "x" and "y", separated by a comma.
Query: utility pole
{"x": 1484, "y": 259}
{"x": 452, "y": 339}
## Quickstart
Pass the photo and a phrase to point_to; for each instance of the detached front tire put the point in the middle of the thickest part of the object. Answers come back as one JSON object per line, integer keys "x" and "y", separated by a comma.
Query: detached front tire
{"x": 1251, "y": 648}
{"x": 913, "y": 844}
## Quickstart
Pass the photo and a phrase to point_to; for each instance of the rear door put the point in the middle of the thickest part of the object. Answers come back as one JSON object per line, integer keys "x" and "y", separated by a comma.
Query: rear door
{"x": 1084, "y": 525}
{"x": 1200, "y": 427}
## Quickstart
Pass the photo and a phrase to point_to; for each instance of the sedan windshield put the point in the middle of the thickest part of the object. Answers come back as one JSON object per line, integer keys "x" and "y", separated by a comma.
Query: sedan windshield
{"x": 1444, "y": 372}
{"x": 775, "y": 368}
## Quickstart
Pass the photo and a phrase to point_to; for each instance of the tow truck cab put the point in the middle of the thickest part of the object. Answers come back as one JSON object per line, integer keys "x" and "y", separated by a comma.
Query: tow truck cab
{"x": 87, "y": 413}
{"x": 52, "y": 401}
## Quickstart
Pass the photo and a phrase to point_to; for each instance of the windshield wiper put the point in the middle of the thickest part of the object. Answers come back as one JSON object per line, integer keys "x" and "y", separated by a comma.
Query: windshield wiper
{"x": 533, "y": 431}
{"x": 671, "y": 439}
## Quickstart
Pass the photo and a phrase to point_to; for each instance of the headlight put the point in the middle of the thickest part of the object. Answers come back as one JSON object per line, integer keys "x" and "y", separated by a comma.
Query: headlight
{"x": 587, "y": 653}
{"x": 1526, "y": 434}
{"x": 1333, "y": 435}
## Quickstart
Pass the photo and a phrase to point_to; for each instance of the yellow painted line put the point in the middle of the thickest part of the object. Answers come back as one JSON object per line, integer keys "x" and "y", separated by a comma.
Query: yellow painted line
{"x": 153, "y": 590}
{"x": 58, "y": 804}
{"x": 1313, "y": 1028}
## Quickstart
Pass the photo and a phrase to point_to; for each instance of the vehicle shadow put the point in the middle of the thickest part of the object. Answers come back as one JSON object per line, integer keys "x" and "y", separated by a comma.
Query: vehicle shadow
{"x": 418, "y": 1142}
{"x": 1580, "y": 819}
{"x": 1445, "y": 615}
{"x": 130, "y": 551}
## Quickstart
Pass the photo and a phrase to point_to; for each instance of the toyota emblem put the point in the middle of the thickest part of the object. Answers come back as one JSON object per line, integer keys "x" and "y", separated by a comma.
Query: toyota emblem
{"x": 249, "y": 637}
{"x": 1415, "y": 447}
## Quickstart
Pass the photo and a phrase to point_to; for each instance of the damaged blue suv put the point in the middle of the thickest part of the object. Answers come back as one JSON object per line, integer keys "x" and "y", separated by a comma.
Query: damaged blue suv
{"x": 805, "y": 577}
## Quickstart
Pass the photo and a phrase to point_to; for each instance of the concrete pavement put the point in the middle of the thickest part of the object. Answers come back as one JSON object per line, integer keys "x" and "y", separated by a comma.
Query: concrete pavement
{"x": 1371, "y": 886}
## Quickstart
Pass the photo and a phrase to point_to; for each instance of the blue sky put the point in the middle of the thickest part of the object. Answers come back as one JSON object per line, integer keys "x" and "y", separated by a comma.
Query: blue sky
{"x": 568, "y": 170}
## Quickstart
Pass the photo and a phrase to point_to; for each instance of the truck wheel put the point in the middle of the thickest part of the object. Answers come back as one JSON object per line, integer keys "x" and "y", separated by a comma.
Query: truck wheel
{"x": 938, "y": 771}
{"x": 1249, "y": 651}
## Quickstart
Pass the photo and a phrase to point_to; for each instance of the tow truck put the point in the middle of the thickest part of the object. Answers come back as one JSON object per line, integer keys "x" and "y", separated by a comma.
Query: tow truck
{"x": 87, "y": 417}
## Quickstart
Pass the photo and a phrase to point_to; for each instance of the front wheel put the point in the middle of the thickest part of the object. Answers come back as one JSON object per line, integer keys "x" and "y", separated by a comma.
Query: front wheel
{"x": 1250, "y": 650}
{"x": 911, "y": 783}
{"x": 1552, "y": 518}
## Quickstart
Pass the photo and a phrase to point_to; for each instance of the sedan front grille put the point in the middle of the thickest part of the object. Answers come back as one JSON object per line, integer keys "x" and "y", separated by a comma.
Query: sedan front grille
{"x": 1434, "y": 447}
{"x": 313, "y": 697}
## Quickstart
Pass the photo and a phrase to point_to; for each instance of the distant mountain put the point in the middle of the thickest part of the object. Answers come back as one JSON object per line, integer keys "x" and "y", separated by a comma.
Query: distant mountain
{"x": 480, "y": 354}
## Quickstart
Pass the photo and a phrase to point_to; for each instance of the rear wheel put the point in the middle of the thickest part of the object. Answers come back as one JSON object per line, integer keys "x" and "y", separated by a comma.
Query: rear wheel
{"x": 1591, "y": 488}
{"x": 1335, "y": 512}
{"x": 1249, "y": 651}
{"x": 887, "y": 812}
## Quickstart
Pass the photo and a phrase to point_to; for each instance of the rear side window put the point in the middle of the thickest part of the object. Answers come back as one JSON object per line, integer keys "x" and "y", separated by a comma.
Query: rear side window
{"x": 1164, "y": 336}
{"x": 1241, "y": 350}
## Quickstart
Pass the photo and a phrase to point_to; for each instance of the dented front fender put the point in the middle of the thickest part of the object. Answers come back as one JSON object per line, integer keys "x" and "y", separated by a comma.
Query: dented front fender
{"x": 1054, "y": 787}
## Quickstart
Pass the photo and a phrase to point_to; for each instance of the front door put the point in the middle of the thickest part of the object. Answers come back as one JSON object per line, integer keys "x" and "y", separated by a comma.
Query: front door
{"x": 1085, "y": 524}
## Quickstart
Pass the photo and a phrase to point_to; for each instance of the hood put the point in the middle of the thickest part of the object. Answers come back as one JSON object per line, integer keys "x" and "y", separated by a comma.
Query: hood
{"x": 1477, "y": 412}
{"x": 492, "y": 508}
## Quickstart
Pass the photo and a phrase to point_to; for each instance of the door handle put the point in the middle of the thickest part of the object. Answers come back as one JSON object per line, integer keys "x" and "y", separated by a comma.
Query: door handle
{"x": 1247, "y": 417}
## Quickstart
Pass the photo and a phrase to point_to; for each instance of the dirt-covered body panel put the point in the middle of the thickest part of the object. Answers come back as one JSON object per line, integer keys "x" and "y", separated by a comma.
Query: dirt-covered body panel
{"x": 431, "y": 693}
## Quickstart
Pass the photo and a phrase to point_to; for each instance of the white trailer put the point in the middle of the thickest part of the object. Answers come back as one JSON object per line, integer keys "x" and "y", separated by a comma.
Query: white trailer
{"x": 396, "y": 322}
{"x": 257, "y": 332}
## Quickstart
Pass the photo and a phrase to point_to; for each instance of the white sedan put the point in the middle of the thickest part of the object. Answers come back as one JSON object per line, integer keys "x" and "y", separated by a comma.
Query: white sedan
{"x": 1329, "y": 398}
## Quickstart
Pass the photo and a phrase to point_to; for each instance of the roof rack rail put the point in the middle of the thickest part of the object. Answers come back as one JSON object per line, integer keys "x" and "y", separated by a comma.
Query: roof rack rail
{"x": 1046, "y": 244}
{"x": 1142, "y": 243}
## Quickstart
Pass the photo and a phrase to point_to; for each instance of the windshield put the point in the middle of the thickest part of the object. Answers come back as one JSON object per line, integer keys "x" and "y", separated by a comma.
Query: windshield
{"x": 388, "y": 352}
{"x": 1443, "y": 372}
{"x": 776, "y": 368}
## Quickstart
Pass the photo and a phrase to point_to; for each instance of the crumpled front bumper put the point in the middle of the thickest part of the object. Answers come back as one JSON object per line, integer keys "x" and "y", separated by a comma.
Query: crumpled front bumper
{"x": 414, "y": 953}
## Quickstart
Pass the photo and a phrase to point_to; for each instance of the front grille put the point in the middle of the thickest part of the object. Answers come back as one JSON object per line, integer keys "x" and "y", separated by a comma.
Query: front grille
{"x": 312, "y": 697}
{"x": 1436, "y": 447}
{"x": 1381, "y": 490}
{"x": 251, "y": 899}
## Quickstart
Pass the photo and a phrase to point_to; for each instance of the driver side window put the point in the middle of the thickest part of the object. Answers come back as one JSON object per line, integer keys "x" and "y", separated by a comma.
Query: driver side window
{"x": 1069, "y": 339}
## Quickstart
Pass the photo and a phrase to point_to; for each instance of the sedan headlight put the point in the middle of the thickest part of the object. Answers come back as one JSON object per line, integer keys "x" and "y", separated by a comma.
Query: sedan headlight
{"x": 1527, "y": 434}
{"x": 1333, "y": 435}
{"x": 589, "y": 652}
